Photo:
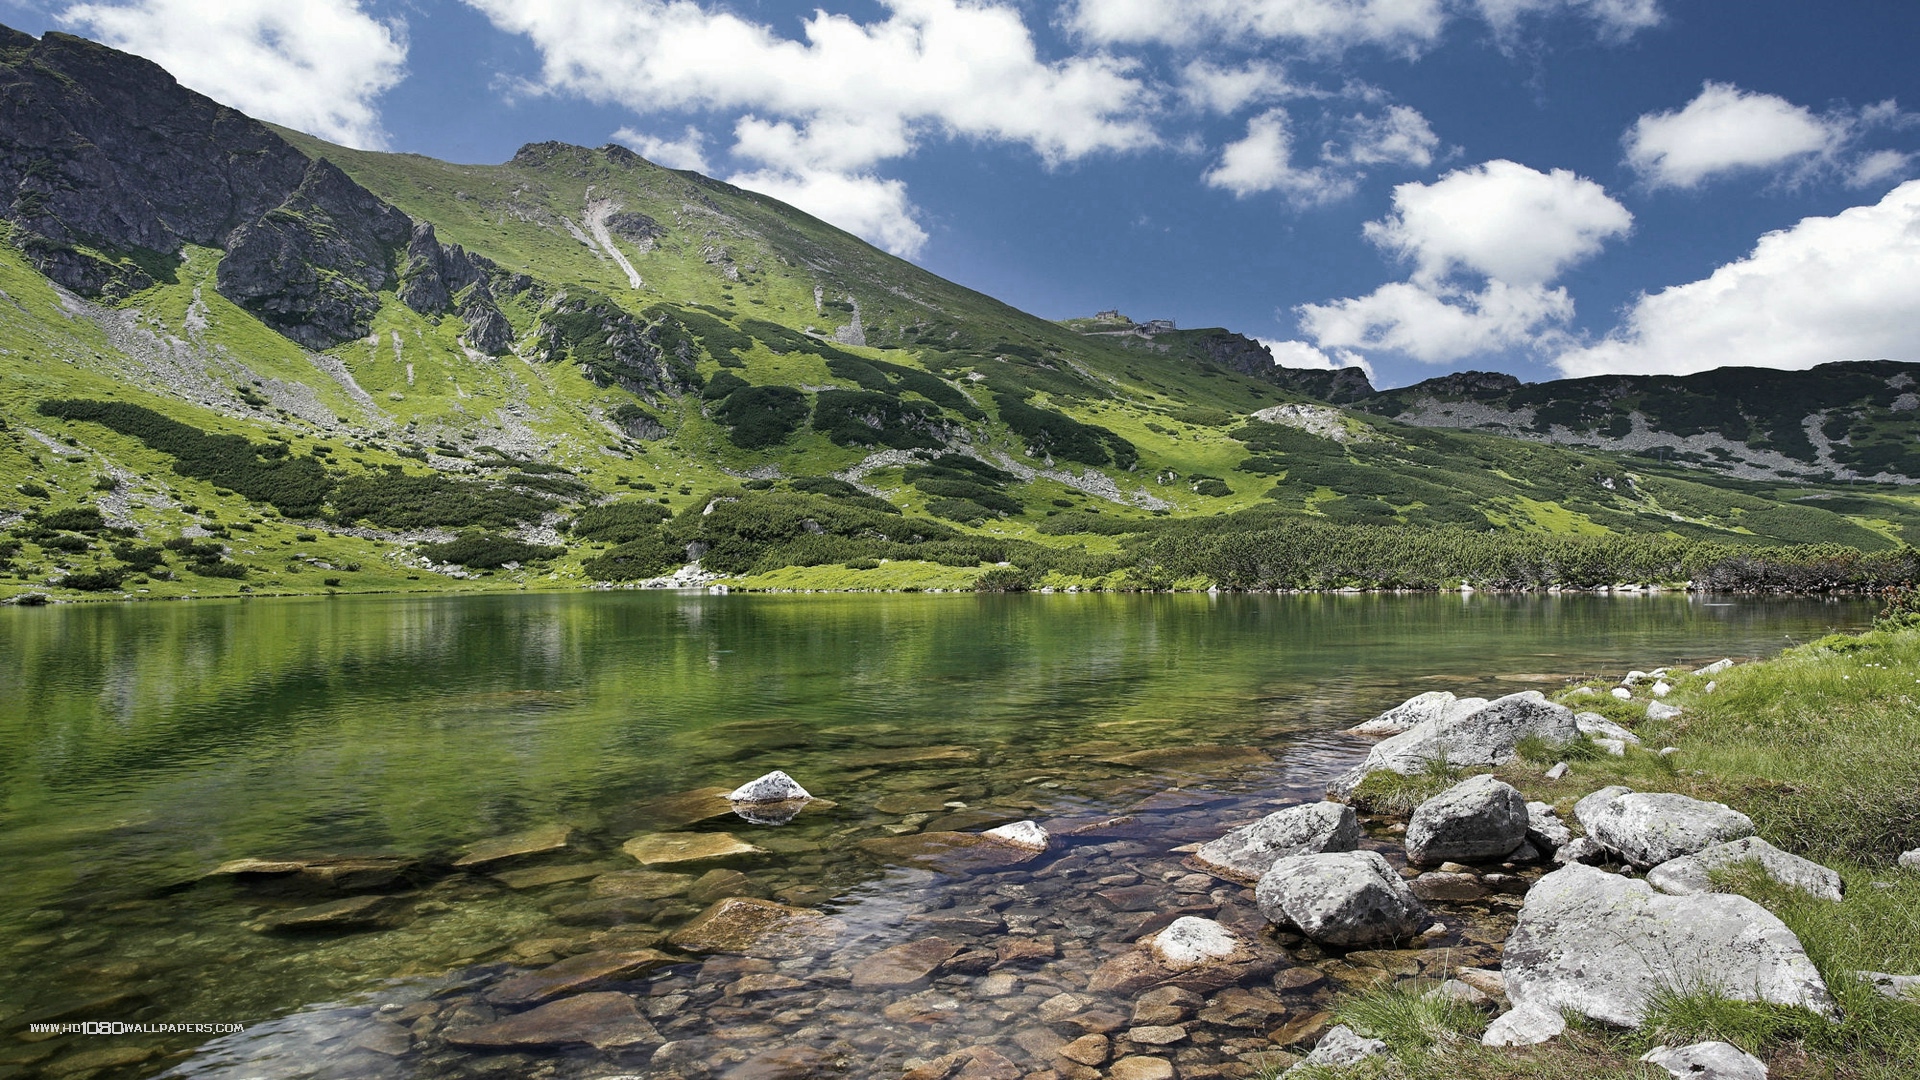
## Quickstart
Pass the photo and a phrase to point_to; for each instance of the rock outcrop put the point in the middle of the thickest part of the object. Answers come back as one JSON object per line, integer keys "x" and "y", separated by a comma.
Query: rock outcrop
{"x": 436, "y": 278}
{"x": 1649, "y": 828}
{"x": 1478, "y": 818}
{"x": 1602, "y": 945}
{"x": 1344, "y": 898}
{"x": 1485, "y": 736}
{"x": 1694, "y": 873}
{"x": 1248, "y": 852}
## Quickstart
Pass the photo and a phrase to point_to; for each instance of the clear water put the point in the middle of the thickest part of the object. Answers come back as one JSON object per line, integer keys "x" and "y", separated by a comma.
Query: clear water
{"x": 143, "y": 745}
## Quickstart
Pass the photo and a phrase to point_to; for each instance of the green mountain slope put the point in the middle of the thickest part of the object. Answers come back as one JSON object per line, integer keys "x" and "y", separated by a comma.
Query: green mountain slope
{"x": 354, "y": 370}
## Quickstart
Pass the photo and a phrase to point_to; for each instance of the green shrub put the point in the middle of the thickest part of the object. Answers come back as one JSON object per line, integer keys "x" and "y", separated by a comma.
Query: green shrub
{"x": 262, "y": 472}
{"x": 643, "y": 557}
{"x": 31, "y": 490}
{"x": 864, "y": 418}
{"x": 72, "y": 519}
{"x": 105, "y": 579}
{"x": 1061, "y": 436}
{"x": 398, "y": 500}
{"x": 478, "y": 549}
{"x": 758, "y": 417}
{"x": 618, "y": 523}
{"x": 1004, "y": 579}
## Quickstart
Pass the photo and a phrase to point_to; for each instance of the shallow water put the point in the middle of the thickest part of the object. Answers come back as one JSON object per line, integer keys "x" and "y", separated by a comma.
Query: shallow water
{"x": 142, "y": 746}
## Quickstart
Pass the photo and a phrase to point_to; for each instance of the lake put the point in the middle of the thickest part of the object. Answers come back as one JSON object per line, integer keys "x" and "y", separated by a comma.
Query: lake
{"x": 144, "y": 746}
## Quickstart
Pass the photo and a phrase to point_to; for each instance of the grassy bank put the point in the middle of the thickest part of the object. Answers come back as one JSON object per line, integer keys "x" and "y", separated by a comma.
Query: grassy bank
{"x": 1821, "y": 747}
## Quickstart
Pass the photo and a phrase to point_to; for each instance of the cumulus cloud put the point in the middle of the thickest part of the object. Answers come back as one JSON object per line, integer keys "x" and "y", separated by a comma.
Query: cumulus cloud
{"x": 1501, "y": 220}
{"x": 1438, "y": 323}
{"x": 1299, "y": 354}
{"x": 1400, "y": 136}
{"x": 1486, "y": 243}
{"x": 317, "y": 65}
{"x": 822, "y": 111}
{"x": 1319, "y": 25}
{"x": 1263, "y": 161}
{"x": 860, "y": 203}
{"x": 1828, "y": 288}
{"x": 1726, "y": 129}
{"x": 1228, "y": 89}
{"x": 689, "y": 151}
{"x": 1616, "y": 19}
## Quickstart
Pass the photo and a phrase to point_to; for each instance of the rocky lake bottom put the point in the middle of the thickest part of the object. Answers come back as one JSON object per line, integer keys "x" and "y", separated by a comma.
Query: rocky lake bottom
{"x": 491, "y": 838}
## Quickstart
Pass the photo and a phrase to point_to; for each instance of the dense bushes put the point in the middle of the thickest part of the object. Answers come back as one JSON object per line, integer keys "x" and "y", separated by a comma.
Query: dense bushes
{"x": 262, "y": 472}
{"x": 618, "y": 523}
{"x": 964, "y": 488}
{"x": 1061, "y": 436}
{"x": 865, "y": 418}
{"x": 398, "y": 500}
{"x": 643, "y": 557}
{"x": 478, "y": 549}
{"x": 758, "y": 417}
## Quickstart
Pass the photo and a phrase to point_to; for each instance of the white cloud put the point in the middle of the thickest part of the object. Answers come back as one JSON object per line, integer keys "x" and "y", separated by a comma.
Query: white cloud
{"x": 1617, "y": 19}
{"x": 1727, "y": 129}
{"x": 1320, "y": 25}
{"x": 1829, "y": 288}
{"x": 314, "y": 65}
{"x": 689, "y": 151}
{"x": 1486, "y": 242}
{"x": 1263, "y": 161}
{"x": 1400, "y": 136}
{"x": 1438, "y": 323}
{"x": 1502, "y": 220}
{"x": 1299, "y": 354}
{"x": 1227, "y": 90}
{"x": 1878, "y": 167}
{"x": 866, "y": 205}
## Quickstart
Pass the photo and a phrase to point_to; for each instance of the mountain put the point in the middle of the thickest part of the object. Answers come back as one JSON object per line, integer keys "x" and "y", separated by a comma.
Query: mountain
{"x": 236, "y": 358}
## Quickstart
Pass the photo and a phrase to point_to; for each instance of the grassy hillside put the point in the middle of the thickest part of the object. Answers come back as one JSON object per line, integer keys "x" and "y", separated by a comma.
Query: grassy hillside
{"x": 696, "y": 370}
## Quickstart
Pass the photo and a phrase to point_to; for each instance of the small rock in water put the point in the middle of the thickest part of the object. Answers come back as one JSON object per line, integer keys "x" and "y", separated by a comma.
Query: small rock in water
{"x": 352, "y": 913}
{"x": 1707, "y": 1061}
{"x": 776, "y": 786}
{"x": 1141, "y": 1068}
{"x": 1248, "y": 852}
{"x": 1024, "y": 834}
{"x": 604, "y": 1021}
{"x": 903, "y": 966}
{"x": 758, "y": 928}
{"x": 1342, "y": 1046}
{"x": 1190, "y": 941}
{"x": 1342, "y": 898}
{"x": 538, "y": 841}
{"x": 660, "y": 849}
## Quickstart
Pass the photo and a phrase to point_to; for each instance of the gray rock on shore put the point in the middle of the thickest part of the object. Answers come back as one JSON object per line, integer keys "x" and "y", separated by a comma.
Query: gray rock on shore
{"x": 1525, "y": 1025}
{"x": 1649, "y": 828}
{"x": 1595, "y": 726}
{"x": 1478, "y": 818}
{"x": 1707, "y": 1061}
{"x": 1434, "y": 705}
{"x": 1545, "y": 830}
{"x": 1693, "y": 873}
{"x": 1485, "y": 736}
{"x": 1245, "y": 854}
{"x": 1910, "y": 859}
{"x": 1345, "y": 898}
{"x": 1341, "y": 1046}
{"x": 1602, "y": 944}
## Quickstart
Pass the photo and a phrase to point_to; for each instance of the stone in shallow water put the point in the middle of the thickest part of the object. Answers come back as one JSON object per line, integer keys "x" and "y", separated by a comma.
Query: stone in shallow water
{"x": 720, "y": 884}
{"x": 1345, "y": 898}
{"x": 776, "y": 786}
{"x": 907, "y": 965}
{"x": 345, "y": 874}
{"x": 949, "y": 852}
{"x": 352, "y": 913}
{"x": 785, "y": 1063}
{"x": 661, "y": 849}
{"x": 758, "y": 928}
{"x": 1190, "y": 758}
{"x": 1024, "y": 834}
{"x": 911, "y": 755}
{"x": 538, "y": 841}
{"x": 1141, "y": 1068}
{"x": 1189, "y": 942}
{"x": 1245, "y": 853}
{"x": 639, "y": 885}
{"x": 536, "y": 877}
{"x": 604, "y": 1021}
{"x": 1088, "y": 1050}
{"x": 682, "y": 808}
{"x": 577, "y": 973}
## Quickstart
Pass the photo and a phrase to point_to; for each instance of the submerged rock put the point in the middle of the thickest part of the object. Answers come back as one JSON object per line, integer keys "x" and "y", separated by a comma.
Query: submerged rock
{"x": 760, "y": 928}
{"x": 661, "y": 849}
{"x": 1707, "y": 1061}
{"x": 1246, "y": 853}
{"x": 1693, "y": 873}
{"x": 1344, "y": 898}
{"x": 902, "y": 966}
{"x": 344, "y": 874}
{"x": 1478, "y": 818}
{"x": 555, "y": 837}
{"x": 1601, "y": 945}
{"x": 1649, "y": 828}
{"x": 577, "y": 973}
{"x": 604, "y": 1021}
{"x": 352, "y": 913}
{"x": 950, "y": 852}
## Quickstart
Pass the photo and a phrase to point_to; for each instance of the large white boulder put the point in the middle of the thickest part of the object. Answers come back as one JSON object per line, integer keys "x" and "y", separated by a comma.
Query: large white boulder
{"x": 776, "y": 786}
{"x": 1434, "y": 705}
{"x": 1246, "y": 853}
{"x": 1649, "y": 828}
{"x": 1690, "y": 874}
{"x": 1602, "y": 944}
{"x": 1524, "y": 1026}
{"x": 1486, "y": 736}
{"x": 1478, "y": 818}
{"x": 1345, "y": 898}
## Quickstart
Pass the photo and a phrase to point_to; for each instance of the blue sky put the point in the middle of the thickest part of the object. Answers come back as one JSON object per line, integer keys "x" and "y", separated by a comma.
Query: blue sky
{"x": 1544, "y": 187}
